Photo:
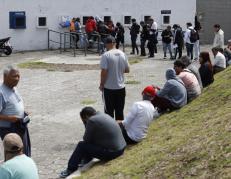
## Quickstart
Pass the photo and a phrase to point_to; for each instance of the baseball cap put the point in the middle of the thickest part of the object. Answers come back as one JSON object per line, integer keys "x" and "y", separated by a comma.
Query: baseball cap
{"x": 150, "y": 91}
{"x": 110, "y": 40}
{"x": 12, "y": 143}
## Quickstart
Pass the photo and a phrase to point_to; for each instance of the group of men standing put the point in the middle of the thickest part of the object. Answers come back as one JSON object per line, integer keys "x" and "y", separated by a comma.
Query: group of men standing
{"x": 148, "y": 32}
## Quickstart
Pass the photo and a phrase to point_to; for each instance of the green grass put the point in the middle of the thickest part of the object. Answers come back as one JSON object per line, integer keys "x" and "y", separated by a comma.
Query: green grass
{"x": 88, "y": 102}
{"x": 32, "y": 64}
{"x": 134, "y": 60}
{"x": 194, "y": 142}
{"x": 132, "y": 82}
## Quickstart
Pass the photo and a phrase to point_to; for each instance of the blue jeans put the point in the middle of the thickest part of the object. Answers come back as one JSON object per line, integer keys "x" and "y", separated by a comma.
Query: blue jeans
{"x": 189, "y": 48}
{"x": 165, "y": 47}
{"x": 88, "y": 151}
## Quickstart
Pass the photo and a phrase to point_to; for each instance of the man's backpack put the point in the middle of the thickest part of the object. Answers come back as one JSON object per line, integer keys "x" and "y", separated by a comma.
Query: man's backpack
{"x": 193, "y": 36}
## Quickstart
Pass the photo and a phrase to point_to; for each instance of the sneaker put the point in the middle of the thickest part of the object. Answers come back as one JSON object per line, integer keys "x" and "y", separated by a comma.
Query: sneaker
{"x": 65, "y": 173}
{"x": 164, "y": 57}
{"x": 132, "y": 53}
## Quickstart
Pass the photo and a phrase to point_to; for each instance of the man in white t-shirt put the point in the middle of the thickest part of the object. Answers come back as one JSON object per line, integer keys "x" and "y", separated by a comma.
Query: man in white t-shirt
{"x": 135, "y": 125}
{"x": 219, "y": 60}
{"x": 114, "y": 64}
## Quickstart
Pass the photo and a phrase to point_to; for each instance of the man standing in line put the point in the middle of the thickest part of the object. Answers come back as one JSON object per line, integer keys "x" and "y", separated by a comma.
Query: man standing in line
{"x": 178, "y": 41}
{"x": 143, "y": 37}
{"x": 152, "y": 38}
{"x": 197, "y": 28}
{"x": 219, "y": 37}
{"x": 167, "y": 39}
{"x": 113, "y": 64}
{"x": 13, "y": 118}
{"x": 134, "y": 31}
{"x": 189, "y": 39}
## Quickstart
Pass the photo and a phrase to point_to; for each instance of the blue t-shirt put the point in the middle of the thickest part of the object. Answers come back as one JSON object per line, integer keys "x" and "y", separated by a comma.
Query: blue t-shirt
{"x": 20, "y": 167}
{"x": 11, "y": 104}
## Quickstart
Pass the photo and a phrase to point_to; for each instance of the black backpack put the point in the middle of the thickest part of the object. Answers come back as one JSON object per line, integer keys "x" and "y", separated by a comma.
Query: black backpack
{"x": 193, "y": 36}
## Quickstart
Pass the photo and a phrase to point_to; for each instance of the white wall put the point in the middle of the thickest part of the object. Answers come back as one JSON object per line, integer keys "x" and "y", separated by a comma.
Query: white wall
{"x": 33, "y": 38}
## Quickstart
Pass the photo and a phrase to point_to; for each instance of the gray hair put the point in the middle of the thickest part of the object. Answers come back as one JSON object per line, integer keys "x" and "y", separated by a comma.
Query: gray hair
{"x": 8, "y": 69}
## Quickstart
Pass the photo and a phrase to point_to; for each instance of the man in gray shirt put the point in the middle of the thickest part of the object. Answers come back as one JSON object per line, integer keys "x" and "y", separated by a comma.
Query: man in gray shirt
{"x": 114, "y": 64}
{"x": 103, "y": 139}
{"x": 12, "y": 108}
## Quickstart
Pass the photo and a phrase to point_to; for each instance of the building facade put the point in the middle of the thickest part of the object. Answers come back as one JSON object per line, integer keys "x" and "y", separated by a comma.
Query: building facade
{"x": 212, "y": 12}
{"x": 28, "y": 21}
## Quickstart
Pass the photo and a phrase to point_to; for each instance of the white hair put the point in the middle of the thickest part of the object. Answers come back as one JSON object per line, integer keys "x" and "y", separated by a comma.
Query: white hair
{"x": 8, "y": 69}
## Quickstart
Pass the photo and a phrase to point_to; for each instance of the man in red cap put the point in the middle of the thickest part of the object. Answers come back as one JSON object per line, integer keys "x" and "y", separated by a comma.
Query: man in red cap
{"x": 135, "y": 126}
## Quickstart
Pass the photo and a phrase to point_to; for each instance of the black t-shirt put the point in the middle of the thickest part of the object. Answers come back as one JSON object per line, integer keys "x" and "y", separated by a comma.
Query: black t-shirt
{"x": 166, "y": 36}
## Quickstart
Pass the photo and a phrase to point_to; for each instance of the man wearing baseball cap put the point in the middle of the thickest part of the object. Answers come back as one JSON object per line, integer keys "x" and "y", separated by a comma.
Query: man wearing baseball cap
{"x": 135, "y": 125}
{"x": 17, "y": 165}
{"x": 113, "y": 64}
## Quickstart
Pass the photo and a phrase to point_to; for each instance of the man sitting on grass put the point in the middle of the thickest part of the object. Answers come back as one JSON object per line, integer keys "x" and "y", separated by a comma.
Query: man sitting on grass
{"x": 173, "y": 95}
{"x": 191, "y": 83}
{"x": 103, "y": 140}
{"x": 135, "y": 125}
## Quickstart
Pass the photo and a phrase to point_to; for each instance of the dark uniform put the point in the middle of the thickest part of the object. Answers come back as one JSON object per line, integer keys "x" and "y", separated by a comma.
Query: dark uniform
{"x": 143, "y": 38}
{"x": 119, "y": 30}
{"x": 134, "y": 31}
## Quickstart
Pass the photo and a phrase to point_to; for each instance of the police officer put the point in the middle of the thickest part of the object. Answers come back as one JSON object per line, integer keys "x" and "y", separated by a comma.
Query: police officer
{"x": 134, "y": 31}
{"x": 143, "y": 37}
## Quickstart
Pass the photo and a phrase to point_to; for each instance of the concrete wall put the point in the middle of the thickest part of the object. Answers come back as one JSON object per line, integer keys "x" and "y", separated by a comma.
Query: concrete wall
{"x": 33, "y": 38}
{"x": 214, "y": 12}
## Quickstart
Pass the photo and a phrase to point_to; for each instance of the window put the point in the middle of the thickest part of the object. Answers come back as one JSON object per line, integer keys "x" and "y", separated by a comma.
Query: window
{"x": 146, "y": 19}
{"x": 166, "y": 19}
{"x": 106, "y": 18}
{"x": 17, "y": 20}
{"x": 127, "y": 20}
{"x": 42, "y": 22}
{"x": 85, "y": 18}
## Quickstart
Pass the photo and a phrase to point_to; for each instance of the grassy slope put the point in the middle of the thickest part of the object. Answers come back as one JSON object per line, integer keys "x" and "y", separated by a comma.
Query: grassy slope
{"x": 192, "y": 142}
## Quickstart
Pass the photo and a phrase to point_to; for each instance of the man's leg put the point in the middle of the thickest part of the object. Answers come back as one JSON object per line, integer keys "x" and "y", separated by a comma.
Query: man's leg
{"x": 133, "y": 44}
{"x": 86, "y": 150}
{"x": 179, "y": 48}
{"x": 188, "y": 49}
{"x": 119, "y": 104}
{"x": 109, "y": 102}
{"x": 142, "y": 47}
{"x": 125, "y": 135}
{"x": 136, "y": 47}
{"x": 162, "y": 104}
{"x": 165, "y": 49}
{"x": 191, "y": 50}
{"x": 170, "y": 50}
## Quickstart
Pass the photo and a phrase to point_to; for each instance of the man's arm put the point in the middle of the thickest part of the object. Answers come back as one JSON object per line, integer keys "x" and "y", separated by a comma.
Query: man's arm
{"x": 89, "y": 132}
{"x": 127, "y": 69}
{"x": 103, "y": 78}
{"x": 5, "y": 117}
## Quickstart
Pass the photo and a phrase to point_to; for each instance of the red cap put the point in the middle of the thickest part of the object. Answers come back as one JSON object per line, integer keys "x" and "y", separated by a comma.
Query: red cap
{"x": 150, "y": 91}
